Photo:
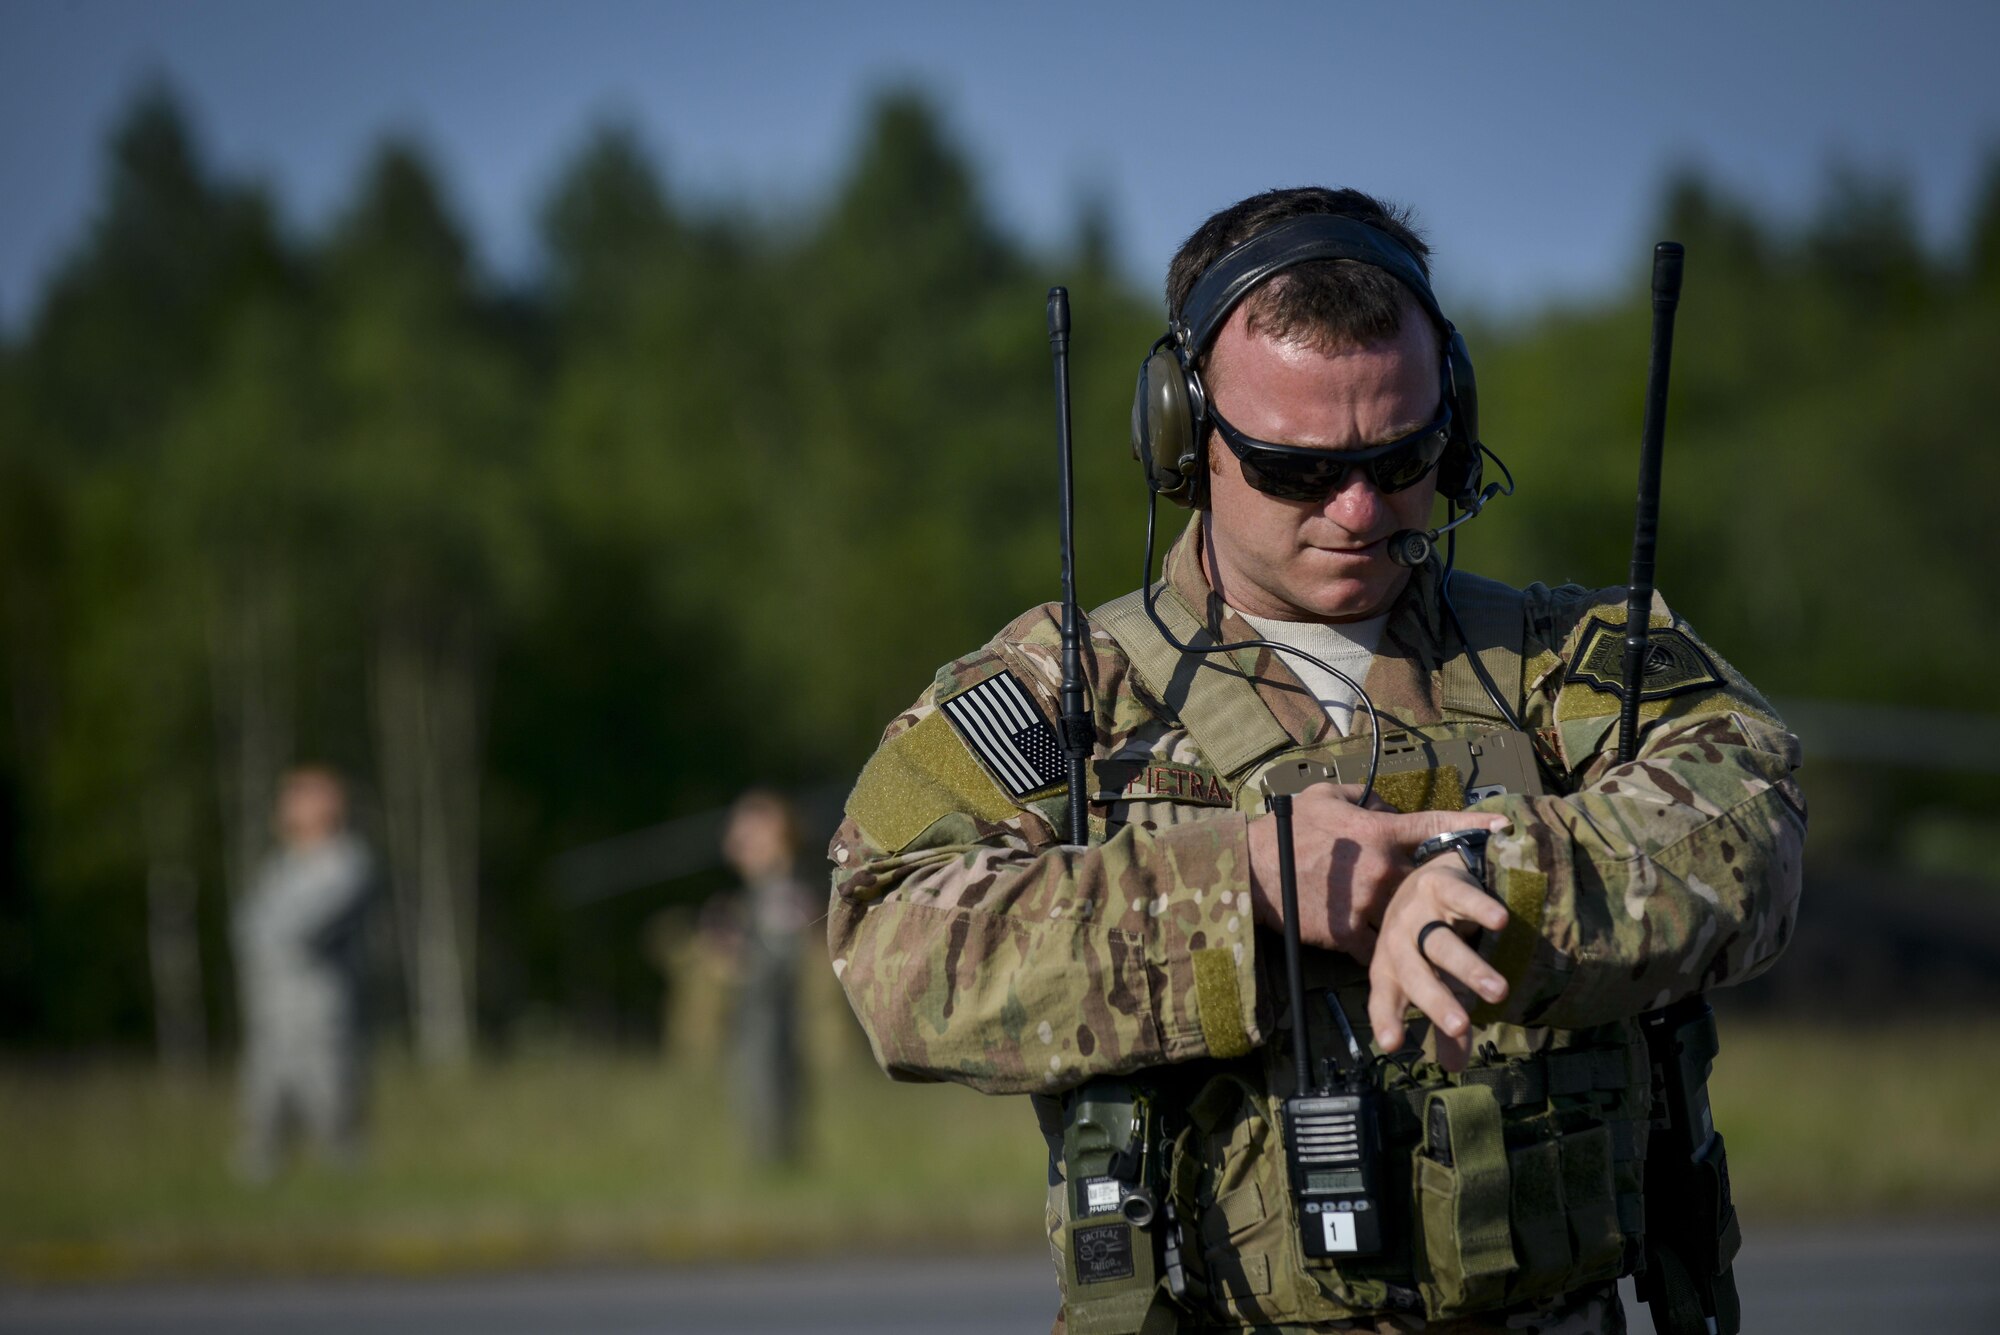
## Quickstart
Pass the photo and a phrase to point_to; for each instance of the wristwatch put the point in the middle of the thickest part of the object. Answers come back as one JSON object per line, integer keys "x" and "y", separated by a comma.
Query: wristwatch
{"x": 1470, "y": 844}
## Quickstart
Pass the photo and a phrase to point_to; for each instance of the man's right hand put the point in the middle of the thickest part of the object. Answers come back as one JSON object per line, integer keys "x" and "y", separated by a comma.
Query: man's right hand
{"x": 1350, "y": 860}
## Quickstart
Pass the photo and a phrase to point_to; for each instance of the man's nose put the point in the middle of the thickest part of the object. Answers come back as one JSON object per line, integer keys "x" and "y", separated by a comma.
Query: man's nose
{"x": 1357, "y": 504}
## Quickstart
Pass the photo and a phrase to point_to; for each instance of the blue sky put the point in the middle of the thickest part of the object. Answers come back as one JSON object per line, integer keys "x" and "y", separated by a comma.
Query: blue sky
{"x": 1531, "y": 136}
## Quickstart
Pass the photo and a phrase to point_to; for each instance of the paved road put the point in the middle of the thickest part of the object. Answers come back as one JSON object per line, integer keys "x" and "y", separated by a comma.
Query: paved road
{"x": 1880, "y": 1279}
{"x": 1866, "y": 1278}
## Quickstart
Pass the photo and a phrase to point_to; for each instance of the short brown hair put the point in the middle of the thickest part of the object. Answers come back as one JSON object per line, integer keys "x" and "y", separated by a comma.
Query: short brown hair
{"x": 1327, "y": 303}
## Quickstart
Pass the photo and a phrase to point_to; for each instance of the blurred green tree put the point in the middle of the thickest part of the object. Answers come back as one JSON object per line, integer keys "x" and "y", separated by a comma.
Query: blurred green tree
{"x": 708, "y": 500}
{"x": 109, "y": 611}
{"x": 428, "y": 450}
{"x": 1983, "y": 250}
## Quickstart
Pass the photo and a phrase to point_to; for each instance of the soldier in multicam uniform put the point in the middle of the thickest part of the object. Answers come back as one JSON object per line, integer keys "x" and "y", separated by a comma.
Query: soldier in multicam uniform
{"x": 977, "y": 945}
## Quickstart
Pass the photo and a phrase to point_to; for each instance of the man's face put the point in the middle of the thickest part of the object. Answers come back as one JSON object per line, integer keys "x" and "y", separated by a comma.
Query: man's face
{"x": 311, "y": 809}
{"x": 1325, "y": 560}
{"x": 755, "y": 843}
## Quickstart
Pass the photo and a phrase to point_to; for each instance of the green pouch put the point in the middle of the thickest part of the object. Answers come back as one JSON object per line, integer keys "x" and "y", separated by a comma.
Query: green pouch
{"x": 1541, "y": 1228}
{"x": 1590, "y": 1203}
{"x": 1111, "y": 1286}
{"x": 1461, "y": 1203}
{"x": 1239, "y": 1232}
{"x": 1565, "y": 1213}
{"x": 1110, "y": 1280}
{"x": 1249, "y": 1243}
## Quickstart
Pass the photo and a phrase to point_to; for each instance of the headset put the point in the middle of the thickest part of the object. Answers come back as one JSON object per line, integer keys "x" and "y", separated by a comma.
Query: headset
{"x": 1170, "y": 408}
{"x": 1170, "y": 412}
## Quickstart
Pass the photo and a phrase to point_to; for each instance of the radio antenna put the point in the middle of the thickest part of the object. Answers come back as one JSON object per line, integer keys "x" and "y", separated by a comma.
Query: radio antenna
{"x": 1688, "y": 1279}
{"x": 1667, "y": 259}
{"x": 1288, "y": 904}
{"x": 1079, "y": 732}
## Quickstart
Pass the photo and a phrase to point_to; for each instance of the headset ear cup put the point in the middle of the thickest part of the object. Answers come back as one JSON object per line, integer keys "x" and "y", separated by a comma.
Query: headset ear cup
{"x": 1142, "y": 448}
{"x": 1462, "y": 469}
{"x": 1163, "y": 428}
{"x": 1460, "y": 472}
{"x": 1465, "y": 387}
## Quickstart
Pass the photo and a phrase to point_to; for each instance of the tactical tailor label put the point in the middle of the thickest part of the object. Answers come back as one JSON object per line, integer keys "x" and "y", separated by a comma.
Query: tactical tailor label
{"x": 1102, "y": 1251}
{"x": 1674, "y": 663}
{"x": 1005, "y": 728}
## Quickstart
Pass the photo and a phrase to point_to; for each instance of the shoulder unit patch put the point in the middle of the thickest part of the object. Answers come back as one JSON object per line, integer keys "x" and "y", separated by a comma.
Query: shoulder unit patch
{"x": 1674, "y": 662}
{"x": 1006, "y": 729}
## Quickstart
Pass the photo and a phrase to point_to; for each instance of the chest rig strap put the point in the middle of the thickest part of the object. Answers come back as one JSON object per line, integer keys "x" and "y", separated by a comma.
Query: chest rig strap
{"x": 1208, "y": 693}
{"x": 1216, "y": 702}
{"x": 1496, "y": 624}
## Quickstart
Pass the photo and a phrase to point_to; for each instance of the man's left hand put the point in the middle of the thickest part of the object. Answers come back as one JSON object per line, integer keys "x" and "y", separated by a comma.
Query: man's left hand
{"x": 1400, "y": 976}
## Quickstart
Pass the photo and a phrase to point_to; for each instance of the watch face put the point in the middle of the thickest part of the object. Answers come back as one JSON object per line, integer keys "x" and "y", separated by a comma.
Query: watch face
{"x": 1471, "y": 845}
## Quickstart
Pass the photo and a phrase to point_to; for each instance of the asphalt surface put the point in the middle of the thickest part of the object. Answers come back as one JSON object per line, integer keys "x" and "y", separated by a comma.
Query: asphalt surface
{"x": 1880, "y": 1278}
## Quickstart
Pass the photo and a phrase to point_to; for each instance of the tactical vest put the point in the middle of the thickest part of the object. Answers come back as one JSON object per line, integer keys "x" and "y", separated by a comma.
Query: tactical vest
{"x": 1513, "y": 1182}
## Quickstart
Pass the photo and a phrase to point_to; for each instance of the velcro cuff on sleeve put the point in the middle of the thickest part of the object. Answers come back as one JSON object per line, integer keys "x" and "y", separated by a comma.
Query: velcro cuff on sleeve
{"x": 1219, "y": 1002}
{"x": 1526, "y": 894}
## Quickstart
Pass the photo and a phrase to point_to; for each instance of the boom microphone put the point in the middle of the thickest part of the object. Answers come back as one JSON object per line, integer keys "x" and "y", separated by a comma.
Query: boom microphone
{"x": 1413, "y": 547}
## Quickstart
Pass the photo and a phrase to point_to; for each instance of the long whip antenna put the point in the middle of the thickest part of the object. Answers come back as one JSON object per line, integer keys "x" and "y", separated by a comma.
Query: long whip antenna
{"x": 1667, "y": 259}
{"x": 1078, "y": 730}
{"x": 1688, "y": 1280}
{"x": 1288, "y": 903}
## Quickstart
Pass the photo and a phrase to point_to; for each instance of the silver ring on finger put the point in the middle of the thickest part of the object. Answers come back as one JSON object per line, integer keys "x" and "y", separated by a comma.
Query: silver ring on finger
{"x": 1423, "y": 933}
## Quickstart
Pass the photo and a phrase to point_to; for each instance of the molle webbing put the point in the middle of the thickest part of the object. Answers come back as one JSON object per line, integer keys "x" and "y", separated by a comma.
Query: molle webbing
{"x": 1495, "y": 621}
{"x": 1527, "y": 1083}
{"x": 1564, "y": 1071}
{"x": 1208, "y": 693}
{"x": 1403, "y": 1112}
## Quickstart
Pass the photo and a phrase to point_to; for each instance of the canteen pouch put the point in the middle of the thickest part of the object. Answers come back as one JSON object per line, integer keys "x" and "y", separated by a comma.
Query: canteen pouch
{"x": 1460, "y": 1184}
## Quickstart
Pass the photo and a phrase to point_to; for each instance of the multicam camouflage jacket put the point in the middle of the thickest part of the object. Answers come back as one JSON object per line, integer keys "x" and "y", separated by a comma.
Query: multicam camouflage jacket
{"x": 977, "y": 946}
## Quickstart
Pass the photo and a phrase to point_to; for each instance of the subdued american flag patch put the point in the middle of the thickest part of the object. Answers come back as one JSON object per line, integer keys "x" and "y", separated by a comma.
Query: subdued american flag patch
{"x": 1004, "y": 727}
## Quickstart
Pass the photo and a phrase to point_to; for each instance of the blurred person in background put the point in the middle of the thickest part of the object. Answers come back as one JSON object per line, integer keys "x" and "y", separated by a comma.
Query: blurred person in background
{"x": 698, "y": 950}
{"x": 761, "y": 845}
{"x": 301, "y": 953}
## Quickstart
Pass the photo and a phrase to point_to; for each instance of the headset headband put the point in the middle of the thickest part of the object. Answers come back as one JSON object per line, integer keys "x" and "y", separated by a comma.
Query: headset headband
{"x": 1317, "y": 236}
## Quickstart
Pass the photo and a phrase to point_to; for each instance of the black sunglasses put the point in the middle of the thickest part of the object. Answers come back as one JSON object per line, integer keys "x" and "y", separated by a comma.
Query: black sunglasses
{"x": 1301, "y": 473}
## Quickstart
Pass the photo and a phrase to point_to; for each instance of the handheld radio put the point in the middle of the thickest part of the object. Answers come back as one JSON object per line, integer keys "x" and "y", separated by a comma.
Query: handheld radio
{"x": 1333, "y": 1135}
